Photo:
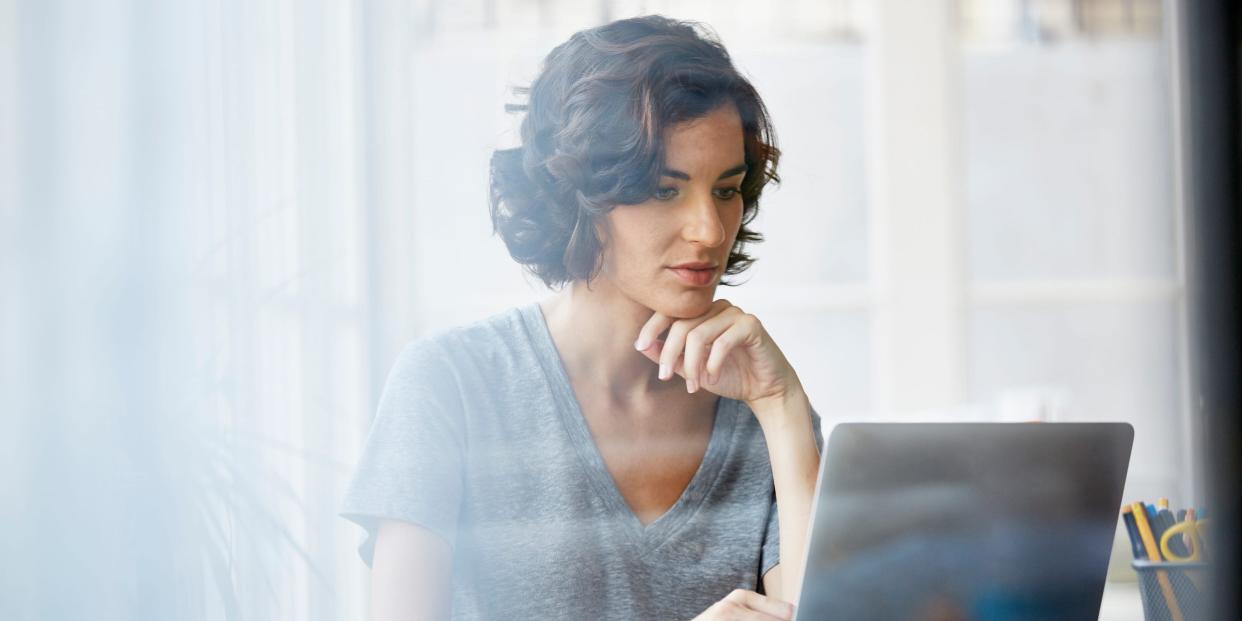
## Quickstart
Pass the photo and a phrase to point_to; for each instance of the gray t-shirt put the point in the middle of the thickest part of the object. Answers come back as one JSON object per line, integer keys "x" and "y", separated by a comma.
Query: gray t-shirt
{"x": 480, "y": 439}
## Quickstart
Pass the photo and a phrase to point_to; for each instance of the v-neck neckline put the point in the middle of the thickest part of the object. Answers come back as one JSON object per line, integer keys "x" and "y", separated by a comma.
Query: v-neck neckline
{"x": 692, "y": 497}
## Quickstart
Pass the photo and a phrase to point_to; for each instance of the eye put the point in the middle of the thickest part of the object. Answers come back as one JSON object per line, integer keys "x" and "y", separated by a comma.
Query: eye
{"x": 665, "y": 194}
{"x": 727, "y": 193}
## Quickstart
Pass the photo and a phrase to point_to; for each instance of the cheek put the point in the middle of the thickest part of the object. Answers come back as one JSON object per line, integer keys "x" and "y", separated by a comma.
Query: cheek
{"x": 633, "y": 255}
{"x": 733, "y": 220}
{"x": 632, "y": 240}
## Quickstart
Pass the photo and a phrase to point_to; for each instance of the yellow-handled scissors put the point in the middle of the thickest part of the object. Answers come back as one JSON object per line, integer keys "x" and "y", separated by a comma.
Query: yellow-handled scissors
{"x": 1193, "y": 532}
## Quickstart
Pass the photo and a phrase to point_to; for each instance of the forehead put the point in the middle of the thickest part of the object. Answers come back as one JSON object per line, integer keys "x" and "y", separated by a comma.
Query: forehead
{"x": 713, "y": 140}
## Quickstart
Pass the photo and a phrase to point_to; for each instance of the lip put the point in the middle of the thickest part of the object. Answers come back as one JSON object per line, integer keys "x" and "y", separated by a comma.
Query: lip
{"x": 695, "y": 265}
{"x": 695, "y": 277}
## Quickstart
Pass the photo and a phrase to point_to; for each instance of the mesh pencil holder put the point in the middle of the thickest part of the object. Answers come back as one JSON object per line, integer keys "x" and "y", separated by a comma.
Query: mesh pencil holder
{"x": 1174, "y": 591}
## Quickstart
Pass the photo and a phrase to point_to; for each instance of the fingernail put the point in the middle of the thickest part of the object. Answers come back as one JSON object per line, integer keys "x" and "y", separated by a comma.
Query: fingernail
{"x": 664, "y": 371}
{"x": 640, "y": 344}
{"x": 691, "y": 385}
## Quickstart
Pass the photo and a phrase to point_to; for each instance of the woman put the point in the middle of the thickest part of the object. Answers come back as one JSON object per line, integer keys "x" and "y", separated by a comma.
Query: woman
{"x": 619, "y": 450}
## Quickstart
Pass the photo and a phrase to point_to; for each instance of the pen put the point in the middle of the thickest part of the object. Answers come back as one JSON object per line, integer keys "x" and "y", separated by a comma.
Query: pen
{"x": 1153, "y": 554}
{"x": 1136, "y": 543}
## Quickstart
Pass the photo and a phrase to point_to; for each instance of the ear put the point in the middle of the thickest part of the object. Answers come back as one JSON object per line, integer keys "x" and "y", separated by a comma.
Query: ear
{"x": 603, "y": 234}
{"x": 603, "y": 229}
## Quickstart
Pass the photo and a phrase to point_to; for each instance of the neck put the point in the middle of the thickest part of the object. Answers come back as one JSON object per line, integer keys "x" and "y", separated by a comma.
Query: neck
{"x": 594, "y": 331}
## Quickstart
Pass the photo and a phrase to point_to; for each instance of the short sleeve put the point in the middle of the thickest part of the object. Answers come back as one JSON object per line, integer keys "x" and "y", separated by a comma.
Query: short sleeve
{"x": 770, "y": 555}
{"x": 411, "y": 466}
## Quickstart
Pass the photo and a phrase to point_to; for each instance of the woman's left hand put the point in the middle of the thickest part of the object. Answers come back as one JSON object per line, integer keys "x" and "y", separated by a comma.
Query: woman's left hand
{"x": 725, "y": 350}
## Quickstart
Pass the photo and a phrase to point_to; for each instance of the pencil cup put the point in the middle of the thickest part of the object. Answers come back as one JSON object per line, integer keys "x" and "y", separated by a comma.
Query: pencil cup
{"x": 1174, "y": 591}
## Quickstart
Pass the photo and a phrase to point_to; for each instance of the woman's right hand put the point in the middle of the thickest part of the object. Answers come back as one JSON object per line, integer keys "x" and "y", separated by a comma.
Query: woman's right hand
{"x": 743, "y": 605}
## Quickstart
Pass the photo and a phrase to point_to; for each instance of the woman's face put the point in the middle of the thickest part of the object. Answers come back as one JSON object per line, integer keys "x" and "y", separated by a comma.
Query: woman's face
{"x": 693, "y": 219}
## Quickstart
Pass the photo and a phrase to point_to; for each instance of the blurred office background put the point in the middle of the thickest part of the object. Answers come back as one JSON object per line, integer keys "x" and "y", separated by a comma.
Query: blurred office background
{"x": 220, "y": 221}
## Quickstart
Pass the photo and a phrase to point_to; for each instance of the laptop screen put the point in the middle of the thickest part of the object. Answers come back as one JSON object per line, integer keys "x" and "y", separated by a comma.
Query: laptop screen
{"x": 965, "y": 521}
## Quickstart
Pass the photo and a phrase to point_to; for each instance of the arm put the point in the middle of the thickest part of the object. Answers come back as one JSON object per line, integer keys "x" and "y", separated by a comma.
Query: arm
{"x": 787, "y": 429}
{"x": 406, "y": 489}
{"x": 411, "y": 573}
{"x": 728, "y": 352}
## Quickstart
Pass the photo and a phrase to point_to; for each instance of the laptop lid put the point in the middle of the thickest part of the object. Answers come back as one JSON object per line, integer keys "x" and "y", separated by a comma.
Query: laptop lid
{"x": 988, "y": 521}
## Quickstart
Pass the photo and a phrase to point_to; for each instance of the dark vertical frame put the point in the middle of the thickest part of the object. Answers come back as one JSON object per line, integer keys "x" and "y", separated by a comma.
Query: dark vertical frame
{"x": 1214, "y": 176}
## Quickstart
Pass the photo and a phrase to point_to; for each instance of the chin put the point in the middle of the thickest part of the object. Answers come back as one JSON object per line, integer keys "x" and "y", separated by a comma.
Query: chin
{"x": 686, "y": 304}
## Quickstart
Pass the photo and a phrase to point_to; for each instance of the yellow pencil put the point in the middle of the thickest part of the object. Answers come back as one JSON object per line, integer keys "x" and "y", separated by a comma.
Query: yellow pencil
{"x": 1153, "y": 554}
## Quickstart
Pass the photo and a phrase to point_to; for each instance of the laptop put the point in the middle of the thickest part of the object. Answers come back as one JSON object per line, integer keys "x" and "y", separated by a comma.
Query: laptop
{"x": 969, "y": 521}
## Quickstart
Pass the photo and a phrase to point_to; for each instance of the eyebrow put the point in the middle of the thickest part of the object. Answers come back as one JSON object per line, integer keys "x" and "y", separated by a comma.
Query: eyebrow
{"x": 736, "y": 170}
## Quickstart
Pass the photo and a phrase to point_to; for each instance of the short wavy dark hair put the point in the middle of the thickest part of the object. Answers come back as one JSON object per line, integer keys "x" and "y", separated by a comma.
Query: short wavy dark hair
{"x": 592, "y": 139}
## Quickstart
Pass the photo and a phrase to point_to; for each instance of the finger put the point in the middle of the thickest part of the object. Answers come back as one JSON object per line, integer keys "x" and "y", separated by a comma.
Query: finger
{"x": 675, "y": 342}
{"x": 648, "y": 334}
{"x": 692, "y": 359}
{"x": 724, "y": 344}
{"x": 761, "y": 603}
{"x": 674, "y": 345}
{"x": 699, "y": 342}
{"x": 656, "y": 352}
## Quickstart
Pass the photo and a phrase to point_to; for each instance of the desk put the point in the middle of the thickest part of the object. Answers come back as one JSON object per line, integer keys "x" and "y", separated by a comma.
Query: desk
{"x": 1122, "y": 602}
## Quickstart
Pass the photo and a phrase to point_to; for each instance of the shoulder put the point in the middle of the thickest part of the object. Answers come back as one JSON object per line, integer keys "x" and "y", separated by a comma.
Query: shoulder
{"x": 447, "y": 365}
{"x": 497, "y": 339}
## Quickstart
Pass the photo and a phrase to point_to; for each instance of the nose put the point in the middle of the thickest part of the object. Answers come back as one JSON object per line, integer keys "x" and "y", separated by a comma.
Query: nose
{"x": 703, "y": 225}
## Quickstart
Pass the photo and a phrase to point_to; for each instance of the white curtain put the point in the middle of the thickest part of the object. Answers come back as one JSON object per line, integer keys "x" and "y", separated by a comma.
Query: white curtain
{"x": 188, "y": 327}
